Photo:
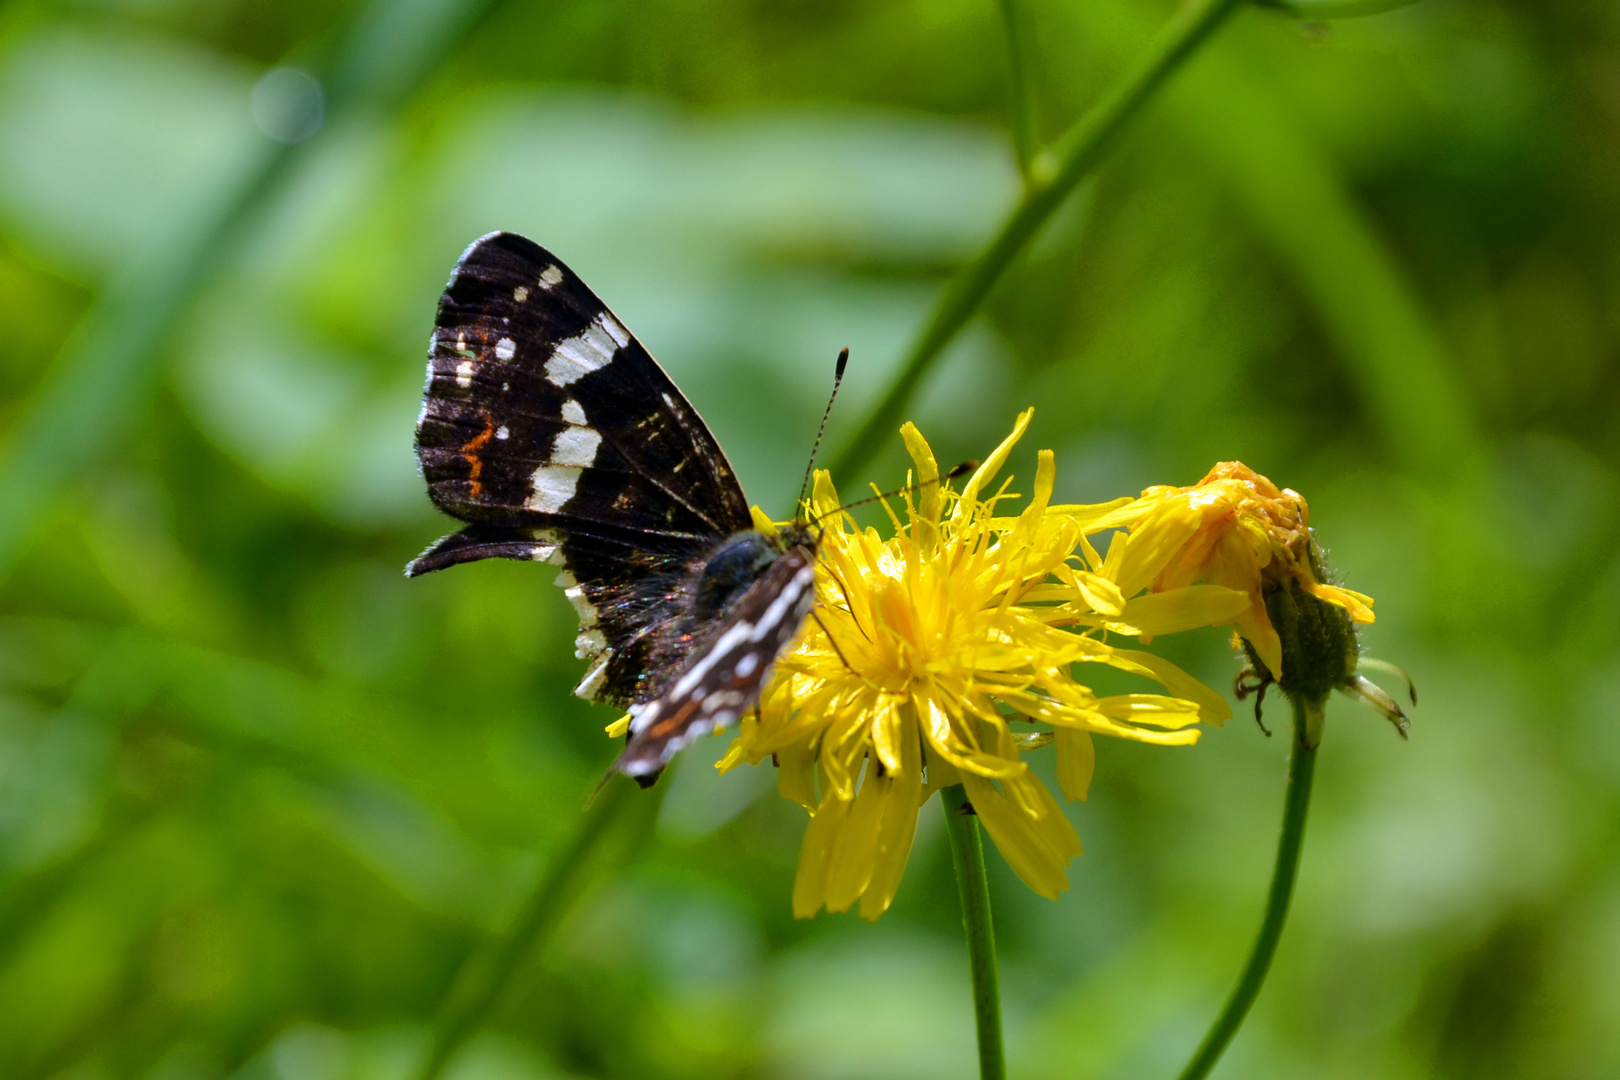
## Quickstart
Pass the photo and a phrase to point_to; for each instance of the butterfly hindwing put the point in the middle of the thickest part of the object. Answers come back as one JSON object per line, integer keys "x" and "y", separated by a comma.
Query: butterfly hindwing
{"x": 727, "y": 666}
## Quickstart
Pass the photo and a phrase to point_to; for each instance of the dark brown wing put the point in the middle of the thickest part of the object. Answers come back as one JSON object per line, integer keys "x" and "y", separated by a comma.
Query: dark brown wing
{"x": 552, "y": 432}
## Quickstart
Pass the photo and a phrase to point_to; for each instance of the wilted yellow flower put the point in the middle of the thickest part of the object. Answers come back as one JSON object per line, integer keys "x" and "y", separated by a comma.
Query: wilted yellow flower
{"x": 1233, "y": 529}
{"x": 1239, "y": 533}
{"x": 924, "y": 651}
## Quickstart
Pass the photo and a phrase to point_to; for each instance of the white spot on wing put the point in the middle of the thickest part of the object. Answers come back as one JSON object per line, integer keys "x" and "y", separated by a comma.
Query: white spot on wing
{"x": 576, "y": 446}
{"x": 550, "y": 277}
{"x": 551, "y": 487}
{"x": 573, "y": 412}
{"x": 587, "y": 612}
{"x": 588, "y": 350}
{"x": 592, "y": 682}
{"x": 724, "y": 704}
{"x": 615, "y": 328}
{"x": 505, "y": 349}
{"x": 589, "y": 643}
{"x": 546, "y": 547}
{"x": 502, "y": 432}
{"x": 464, "y": 374}
{"x": 521, "y": 293}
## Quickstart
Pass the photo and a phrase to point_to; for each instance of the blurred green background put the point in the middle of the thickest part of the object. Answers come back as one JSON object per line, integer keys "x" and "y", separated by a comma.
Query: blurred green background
{"x": 260, "y": 796}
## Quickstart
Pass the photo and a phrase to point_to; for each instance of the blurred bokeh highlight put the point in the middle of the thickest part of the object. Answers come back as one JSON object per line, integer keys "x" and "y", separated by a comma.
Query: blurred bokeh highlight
{"x": 260, "y": 797}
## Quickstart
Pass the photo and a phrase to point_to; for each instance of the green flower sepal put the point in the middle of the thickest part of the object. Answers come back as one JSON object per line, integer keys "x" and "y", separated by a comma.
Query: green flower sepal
{"x": 1320, "y": 654}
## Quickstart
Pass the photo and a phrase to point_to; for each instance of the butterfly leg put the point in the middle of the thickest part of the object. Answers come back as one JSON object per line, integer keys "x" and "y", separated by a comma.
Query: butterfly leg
{"x": 833, "y": 642}
{"x": 1243, "y": 688}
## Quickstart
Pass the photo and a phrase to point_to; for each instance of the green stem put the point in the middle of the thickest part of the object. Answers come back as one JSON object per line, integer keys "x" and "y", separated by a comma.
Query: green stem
{"x": 1021, "y": 89}
{"x": 484, "y": 976}
{"x": 1297, "y": 800}
{"x": 967, "y": 852}
{"x": 1074, "y": 155}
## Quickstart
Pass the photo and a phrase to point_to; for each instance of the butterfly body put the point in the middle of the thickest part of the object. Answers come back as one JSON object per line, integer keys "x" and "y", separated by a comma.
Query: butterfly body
{"x": 556, "y": 437}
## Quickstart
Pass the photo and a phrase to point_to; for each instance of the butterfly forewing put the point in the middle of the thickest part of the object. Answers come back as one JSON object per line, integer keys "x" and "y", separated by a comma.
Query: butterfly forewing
{"x": 549, "y": 429}
{"x": 541, "y": 410}
{"x": 552, "y": 432}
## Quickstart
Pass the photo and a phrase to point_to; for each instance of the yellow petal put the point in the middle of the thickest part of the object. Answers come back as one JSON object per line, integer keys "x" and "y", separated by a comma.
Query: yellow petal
{"x": 1135, "y": 558}
{"x": 762, "y": 522}
{"x": 899, "y": 827}
{"x": 824, "y": 496}
{"x": 1212, "y": 707}
{"x": 992, "y": 465}
{"x": 945, "y": 742}
{"x": 1093, "y": 560}
{"x": 1109, "y": 515}
{"x": 1155, "y": 709}
{"x": 736, "y": 754}
{"x": 927, "y": 493}
{"x": 796, "y": 772}
{"x": 1358, "y": 605}
{"x": 1102, "y": 724}
{"x": 817, "y": 855}
{"x": 1100, "y": 593}
{"x": 941, "y": 774}
{"x": 1027, "y": 851}
{"x": 1076, "y": 760}
{"x": 1255, "y": 627}
{"x": 887, "y": 733}
{"x": 1045, "y": 479}
{"x": 852, "y": 869}
{"x": 1186, "y": 608}
{"x": 1052, "y": 824}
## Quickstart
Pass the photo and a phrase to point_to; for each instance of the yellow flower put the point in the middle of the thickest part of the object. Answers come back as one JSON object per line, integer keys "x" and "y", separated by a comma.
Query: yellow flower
{"x": 925, "y": 650}
{"x": 1242, "y": 536}
{"x": 1235, "y": 530}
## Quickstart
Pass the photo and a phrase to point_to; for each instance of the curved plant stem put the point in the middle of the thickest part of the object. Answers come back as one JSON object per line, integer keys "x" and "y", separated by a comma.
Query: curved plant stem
{"x": 1021, "y": 87}
{"x": 1297, "y": 800}
{"x": 967, "y": 853}
{"x": 1067, "y": 162}
{"x": 484, "y": 976}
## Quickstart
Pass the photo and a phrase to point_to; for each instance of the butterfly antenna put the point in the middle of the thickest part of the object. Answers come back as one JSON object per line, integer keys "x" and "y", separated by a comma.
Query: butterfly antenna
{"x": 810, "y": 469}
{"x": 961, "y": 470}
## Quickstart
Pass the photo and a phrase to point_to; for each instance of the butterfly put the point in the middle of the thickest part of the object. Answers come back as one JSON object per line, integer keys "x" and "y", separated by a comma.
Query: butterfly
{"x": 555, "y": 436}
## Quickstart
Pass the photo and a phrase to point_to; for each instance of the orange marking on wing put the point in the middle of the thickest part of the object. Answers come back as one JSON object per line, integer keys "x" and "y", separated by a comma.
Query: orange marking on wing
{"x": 667, "y": 726}
{"x": 475, "y": 463}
